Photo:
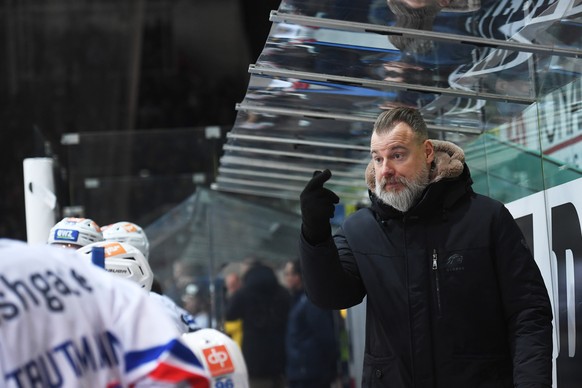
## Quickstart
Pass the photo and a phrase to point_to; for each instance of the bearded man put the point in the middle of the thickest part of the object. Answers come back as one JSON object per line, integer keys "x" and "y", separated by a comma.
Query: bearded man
{"x": 454, "y": 295}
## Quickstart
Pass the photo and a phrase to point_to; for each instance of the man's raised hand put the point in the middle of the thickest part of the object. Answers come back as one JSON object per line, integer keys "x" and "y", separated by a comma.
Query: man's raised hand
{"x": 317, "y": 207}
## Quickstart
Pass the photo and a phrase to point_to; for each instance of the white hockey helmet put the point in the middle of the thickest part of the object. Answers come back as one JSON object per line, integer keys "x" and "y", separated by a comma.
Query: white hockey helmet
{"x": 124, "y": 260}
{"x": 128, "y": 232}
{"x": 75, "y": 232}
{"x": 221, "y": 356}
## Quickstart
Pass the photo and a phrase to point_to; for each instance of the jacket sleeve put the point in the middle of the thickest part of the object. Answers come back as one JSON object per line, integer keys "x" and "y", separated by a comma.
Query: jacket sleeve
{"x": 526, "y": 305}
{"x": 331, "y": 281}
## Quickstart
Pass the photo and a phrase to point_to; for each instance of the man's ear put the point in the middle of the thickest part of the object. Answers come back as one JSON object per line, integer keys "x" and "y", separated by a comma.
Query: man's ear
{"x": 370, "y": 176}
{"x": 429, "y": 151}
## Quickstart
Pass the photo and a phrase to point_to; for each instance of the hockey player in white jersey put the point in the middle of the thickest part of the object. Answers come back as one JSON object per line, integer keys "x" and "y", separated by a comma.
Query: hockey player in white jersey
{"x": 73, "y": 232}
{"x": 128, "y": 232}
{"x": 65, "y": 322}
{"x": 125, "y": 260}
{"x": 221, "y": 356}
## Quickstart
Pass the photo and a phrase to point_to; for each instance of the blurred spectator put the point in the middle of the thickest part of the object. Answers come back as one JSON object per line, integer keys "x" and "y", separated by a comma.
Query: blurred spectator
{"x": 312, "y": 344}
{"x": 263, "y": 305}
{"x": 232, "y": 283}
{"x": 183, "y": 273}
{"x": 196, "y": 301}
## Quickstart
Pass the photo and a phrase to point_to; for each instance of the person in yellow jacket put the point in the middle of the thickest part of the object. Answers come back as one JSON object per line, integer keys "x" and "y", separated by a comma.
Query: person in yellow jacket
{"x": 233, "y": 329}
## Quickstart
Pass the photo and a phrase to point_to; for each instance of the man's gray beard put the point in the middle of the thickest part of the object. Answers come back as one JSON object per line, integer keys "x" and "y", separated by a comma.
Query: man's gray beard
{"x": 405, "y": 198}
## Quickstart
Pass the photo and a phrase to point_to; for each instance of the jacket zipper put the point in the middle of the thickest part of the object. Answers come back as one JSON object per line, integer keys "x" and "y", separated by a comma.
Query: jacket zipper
{"x": 435, "y": 268}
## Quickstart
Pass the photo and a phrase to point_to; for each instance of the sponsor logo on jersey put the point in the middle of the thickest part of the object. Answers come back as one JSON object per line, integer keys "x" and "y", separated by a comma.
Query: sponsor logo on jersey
{"x": 218, "y": 360}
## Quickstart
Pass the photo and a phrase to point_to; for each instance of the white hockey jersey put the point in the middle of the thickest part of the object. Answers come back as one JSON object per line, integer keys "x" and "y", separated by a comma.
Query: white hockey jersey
{"x": 182, "y": 319}
{"x": 67, "y": 323}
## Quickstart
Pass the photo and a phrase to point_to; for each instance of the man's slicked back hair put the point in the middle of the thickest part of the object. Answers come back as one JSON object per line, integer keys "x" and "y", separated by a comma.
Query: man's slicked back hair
{"x": 388, "y": 119}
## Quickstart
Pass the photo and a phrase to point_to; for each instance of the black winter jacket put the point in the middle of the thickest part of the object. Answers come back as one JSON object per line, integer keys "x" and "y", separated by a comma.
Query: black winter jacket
{"x": 454, "y": 296}
{"x": 263, "y": 305}
{"x": 312, "y": 343}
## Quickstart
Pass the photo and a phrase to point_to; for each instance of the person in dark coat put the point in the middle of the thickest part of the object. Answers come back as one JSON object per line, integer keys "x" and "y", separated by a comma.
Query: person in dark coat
{"x": 454, "y": 296}
{"x": 262, "y": 304}
{"x": 312, "y": 341}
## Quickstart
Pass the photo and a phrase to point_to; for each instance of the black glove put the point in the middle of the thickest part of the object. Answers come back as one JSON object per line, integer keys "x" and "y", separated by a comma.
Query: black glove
{"x": 317, "y": 207}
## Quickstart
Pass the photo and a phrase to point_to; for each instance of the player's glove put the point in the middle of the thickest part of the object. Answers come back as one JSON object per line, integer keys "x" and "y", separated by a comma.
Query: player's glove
{"x": 317, "y": 207}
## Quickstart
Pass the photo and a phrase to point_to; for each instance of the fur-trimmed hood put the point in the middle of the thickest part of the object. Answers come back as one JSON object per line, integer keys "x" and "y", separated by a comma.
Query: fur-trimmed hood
{"x": 449, "y": 160}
